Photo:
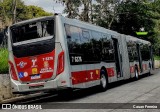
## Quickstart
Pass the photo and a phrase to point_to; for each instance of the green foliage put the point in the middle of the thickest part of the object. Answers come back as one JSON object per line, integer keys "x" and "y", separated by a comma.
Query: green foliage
{"x": 72, "y": 8}
{"x": 34, "y": 12}
{"x": 156, "y": 57}
{"x": 7, "y": 10}
{"x": 133, "y": 16}
{"x": 3, "y": 61}
{"x": 23, "y": 12}
{"x": 105, "y": 12}
{"x": 124, "y": 16}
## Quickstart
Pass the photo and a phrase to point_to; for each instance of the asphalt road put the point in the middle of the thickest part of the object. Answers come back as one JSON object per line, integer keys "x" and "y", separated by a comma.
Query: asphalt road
{"x": 145, "y": 90}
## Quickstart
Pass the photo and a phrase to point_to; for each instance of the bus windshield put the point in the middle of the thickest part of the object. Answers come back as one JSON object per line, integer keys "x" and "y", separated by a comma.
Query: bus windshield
{"x": 33, "y": 38}
{"x": 33, "y": 30}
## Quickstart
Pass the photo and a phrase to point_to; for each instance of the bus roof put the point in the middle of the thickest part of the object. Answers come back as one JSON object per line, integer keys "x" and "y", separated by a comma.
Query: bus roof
{"x": 137, "y": 39}
{"x": 84, "y": 25}
{"x": 32, "y": 20}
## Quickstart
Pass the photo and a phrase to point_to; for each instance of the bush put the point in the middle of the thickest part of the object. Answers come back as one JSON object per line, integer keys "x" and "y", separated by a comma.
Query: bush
{"x": 156, "y": 57}
{"x": 3, "y": 60}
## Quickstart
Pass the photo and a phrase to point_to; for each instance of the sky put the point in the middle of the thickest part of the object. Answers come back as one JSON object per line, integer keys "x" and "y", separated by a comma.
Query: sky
{"x": 47, "y": 5}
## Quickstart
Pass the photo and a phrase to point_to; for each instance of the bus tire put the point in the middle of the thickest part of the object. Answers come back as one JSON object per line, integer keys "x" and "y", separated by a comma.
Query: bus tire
{"x": 136, "y": 74}
{"x": 103, "y": 81}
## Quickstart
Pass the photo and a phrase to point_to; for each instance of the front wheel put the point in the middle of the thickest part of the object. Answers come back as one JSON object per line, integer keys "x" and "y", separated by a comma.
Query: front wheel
{"x": 103, "y": 81}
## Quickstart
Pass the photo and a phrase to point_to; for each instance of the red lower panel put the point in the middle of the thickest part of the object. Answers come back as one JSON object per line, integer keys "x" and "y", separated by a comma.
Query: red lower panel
{"x": 78, "y": 77}
{"x": 110, "y": 72}
{"x": 144, "y": 66}
{"x": 85, "y": 76}
{"x": 139, "y": 70}
{"x": 131, "y": 69}
{"x": 35, "y": 67}
{"x": 93, "y": 74}
{"x": 89, "y": 75}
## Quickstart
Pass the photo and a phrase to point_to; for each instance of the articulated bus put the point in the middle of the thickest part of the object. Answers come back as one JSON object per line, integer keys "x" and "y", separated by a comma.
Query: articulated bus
{"x": 54, "y": 52}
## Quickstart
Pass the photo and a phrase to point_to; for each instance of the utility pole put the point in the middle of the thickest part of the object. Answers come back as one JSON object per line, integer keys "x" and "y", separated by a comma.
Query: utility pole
{"x": 14, "y": 5}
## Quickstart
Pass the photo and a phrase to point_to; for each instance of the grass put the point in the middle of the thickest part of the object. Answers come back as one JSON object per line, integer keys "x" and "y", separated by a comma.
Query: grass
{"x": 3, "y": 61}
{"x": 156, "y": 57}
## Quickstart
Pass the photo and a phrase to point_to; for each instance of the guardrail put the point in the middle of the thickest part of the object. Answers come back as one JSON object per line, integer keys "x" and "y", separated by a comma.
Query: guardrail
{"x": 157, "y": 63}
{"x": 6, "y": 92}
{"x": 5, "y": 87}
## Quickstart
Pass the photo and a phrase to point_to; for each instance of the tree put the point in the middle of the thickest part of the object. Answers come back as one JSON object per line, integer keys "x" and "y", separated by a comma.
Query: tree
{"x": 105, "y": 12}
{"x": 15, "y": 10}
{"x": 79, "y": 9}
{"x": 84, "y": 16}
{"x": 123, "y": 16}
{"x": 34, "y": 12}
{"x": 72, "y": 9}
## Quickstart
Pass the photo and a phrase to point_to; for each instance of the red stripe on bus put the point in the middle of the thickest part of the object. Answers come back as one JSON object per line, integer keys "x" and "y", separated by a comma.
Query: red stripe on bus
{"x": 110, "y": 72}
{"x": 35, "y": 67}
{"x": 89, "y": 75}
{"x": 85, "y": 76}
{"x": 144, "y": 66}
{"x": 131, "y": 69}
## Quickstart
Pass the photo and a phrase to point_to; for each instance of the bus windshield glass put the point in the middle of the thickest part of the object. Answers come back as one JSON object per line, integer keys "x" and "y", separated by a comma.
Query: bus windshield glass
{"x": 33, "y": 30}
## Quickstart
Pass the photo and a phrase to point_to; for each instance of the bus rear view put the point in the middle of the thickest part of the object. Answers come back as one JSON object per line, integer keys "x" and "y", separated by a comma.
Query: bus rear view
{"x": 31, "y": 47}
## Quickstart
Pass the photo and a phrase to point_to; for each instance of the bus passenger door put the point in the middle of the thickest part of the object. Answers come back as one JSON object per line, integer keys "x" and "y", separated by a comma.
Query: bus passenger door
{"x": 139, "y": 57}
{"x": 118, "y": 58}
{"x": 152, "y": 59}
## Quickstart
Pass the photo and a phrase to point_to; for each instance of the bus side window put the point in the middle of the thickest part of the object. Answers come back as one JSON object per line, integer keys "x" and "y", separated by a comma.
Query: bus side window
{"x": 86, "y": 45}
{"x": 131, "y": 50}
{"x": 74, "y": 44}
{"x": 145, "y": 52}
{"x": 107, "y": 49}
{"x": 97, "y": 45}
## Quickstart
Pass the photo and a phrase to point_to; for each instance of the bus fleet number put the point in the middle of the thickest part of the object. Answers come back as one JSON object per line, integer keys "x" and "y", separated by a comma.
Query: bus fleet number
{"x": 76, "y": 59}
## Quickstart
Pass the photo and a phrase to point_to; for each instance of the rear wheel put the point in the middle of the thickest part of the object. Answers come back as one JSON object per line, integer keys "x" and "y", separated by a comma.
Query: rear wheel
{"x": 103, "y": 81}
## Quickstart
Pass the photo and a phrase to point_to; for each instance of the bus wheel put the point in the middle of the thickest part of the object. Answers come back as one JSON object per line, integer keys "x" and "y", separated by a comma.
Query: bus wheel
{"x": 136, "y": 75}
{"x": 103, "y": 81}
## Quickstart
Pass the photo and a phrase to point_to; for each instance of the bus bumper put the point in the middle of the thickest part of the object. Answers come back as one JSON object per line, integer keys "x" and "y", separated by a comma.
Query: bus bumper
{"x": 19, "y": 88}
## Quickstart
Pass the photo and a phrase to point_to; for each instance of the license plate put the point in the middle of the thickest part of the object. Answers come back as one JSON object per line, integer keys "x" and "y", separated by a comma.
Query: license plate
{"x": 34, "y": 87}
{"x": 35, "y": 76}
